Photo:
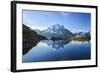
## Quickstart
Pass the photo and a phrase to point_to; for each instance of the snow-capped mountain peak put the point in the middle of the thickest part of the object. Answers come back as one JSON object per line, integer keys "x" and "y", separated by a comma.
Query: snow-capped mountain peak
{"x": 56, "y": 31}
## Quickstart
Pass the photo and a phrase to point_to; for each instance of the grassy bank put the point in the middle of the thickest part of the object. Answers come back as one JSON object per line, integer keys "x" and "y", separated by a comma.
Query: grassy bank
{"x": 81, "y": 38}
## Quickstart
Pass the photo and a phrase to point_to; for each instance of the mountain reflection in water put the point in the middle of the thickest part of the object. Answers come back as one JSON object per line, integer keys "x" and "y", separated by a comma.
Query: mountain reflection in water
{"x": 56, "y": 44}
{"x": 64, "y": 50}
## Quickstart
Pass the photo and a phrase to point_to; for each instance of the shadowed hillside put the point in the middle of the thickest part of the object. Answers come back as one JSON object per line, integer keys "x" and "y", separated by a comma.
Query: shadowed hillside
{"x": 30, "y": 38}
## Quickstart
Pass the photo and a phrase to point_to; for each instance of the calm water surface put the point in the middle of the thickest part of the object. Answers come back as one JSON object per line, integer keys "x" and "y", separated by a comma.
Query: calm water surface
{"x": 60, "y": 50}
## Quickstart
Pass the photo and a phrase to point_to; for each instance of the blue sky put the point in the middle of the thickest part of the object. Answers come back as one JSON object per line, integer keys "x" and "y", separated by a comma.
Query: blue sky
{"x": 72, "y": 21}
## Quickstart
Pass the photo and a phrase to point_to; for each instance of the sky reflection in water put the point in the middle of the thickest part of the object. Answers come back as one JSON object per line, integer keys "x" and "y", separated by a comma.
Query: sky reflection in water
{"x": 48, "y": 50}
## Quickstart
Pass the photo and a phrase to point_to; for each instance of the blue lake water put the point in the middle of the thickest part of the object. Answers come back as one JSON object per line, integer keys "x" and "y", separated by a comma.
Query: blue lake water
{"x": 60, "y": 50}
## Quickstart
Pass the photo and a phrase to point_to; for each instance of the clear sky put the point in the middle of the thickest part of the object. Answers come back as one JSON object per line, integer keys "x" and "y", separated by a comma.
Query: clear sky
{"x": 41, "y": 20}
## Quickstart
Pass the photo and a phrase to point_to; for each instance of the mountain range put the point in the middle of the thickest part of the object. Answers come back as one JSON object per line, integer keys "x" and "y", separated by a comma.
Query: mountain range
{"x": 55, "y": 32}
